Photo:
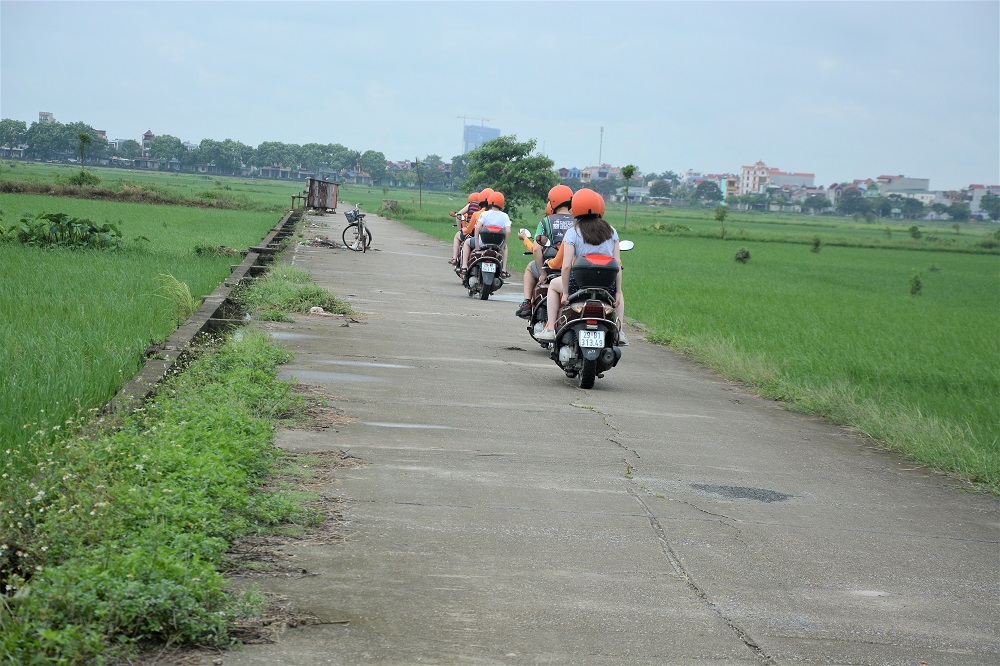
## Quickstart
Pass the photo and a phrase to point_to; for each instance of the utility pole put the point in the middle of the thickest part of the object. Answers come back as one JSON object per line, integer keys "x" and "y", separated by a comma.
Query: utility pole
{"x": 420, "y": 184}
{"x": 600, "y": 148}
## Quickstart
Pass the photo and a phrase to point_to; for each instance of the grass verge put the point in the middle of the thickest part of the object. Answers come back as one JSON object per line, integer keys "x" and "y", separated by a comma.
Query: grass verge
{"x": 116, "y": 539}
{"x": 114, "y": 536}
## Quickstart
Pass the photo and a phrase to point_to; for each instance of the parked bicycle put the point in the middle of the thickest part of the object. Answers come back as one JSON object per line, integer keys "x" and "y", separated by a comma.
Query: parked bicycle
{"x": 356, "y": 235}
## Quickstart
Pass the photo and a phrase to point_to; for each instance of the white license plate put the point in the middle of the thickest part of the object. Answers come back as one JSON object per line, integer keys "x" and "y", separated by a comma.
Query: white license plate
{"x": 488, "y": 268}
{"x": 591, "y": 338}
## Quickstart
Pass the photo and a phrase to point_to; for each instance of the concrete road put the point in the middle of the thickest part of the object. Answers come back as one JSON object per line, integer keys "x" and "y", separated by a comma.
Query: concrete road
{"x": 667, "y": 516}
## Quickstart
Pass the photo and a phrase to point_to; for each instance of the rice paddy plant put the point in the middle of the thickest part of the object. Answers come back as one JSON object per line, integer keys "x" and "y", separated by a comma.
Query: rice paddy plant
{"x": 179, "y": 295}
{"x": 838, "y": 333}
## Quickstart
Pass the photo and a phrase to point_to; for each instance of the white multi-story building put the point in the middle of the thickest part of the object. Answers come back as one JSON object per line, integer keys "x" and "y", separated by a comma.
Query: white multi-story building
{"x": 758, "y": 178}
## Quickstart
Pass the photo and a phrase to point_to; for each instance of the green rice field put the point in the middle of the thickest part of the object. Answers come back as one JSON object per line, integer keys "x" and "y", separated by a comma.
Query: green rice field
{"x": 76, "y": 323}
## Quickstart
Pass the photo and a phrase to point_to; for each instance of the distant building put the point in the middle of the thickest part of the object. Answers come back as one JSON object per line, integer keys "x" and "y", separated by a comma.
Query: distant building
{"x": 46, "y": 117}
{"x": 758, "y": 178}
{"x": 474, "y": 136}
{"x": 978, "y": 192}
{"x": 147, "y": 141}
{"x": 889, "y": 184}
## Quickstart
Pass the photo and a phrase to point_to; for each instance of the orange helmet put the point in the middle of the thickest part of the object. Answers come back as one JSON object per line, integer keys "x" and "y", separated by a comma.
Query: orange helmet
{"x": 587, "y": 202}
{"x": 484, "y": 196}
{"x": 496, "y": 199}
{"x": 560, "y": 195}
{"x": 474, "y": 197}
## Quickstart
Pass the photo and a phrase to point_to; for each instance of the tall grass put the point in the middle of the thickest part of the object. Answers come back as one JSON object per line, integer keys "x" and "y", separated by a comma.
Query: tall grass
{"x": 76, "y": 326}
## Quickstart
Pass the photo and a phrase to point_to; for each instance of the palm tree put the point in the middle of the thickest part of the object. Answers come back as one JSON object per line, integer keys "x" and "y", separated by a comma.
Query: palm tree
{"x": 627, "y": 172}
{"x": 85, "y": 140}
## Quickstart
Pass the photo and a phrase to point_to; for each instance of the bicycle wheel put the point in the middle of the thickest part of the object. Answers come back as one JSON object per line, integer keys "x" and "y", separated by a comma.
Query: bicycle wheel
{"x": 353, "y": 240}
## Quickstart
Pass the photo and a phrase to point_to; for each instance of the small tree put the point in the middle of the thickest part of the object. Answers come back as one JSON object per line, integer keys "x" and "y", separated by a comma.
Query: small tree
{"x": 85, "y": 140}
{"x": 627, "y": 172}
{"x": 916, "y": 284}
{"x": 721, "y": 213}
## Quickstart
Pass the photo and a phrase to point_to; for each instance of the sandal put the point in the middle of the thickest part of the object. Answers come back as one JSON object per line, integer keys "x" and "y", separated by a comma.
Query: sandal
{"x": 453, "y": 262}
{"x": 505, "y": 274}
{"x": 461, "y": 271}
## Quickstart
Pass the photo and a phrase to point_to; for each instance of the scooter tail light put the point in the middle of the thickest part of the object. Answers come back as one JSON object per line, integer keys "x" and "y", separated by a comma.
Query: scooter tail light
{"x": 593, "y": 309}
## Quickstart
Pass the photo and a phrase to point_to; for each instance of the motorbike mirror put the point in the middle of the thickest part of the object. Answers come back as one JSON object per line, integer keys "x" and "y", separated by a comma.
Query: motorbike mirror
{"x": 626, "y": 245}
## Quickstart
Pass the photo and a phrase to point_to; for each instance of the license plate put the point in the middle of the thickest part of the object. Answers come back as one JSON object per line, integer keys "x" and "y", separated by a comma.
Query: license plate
{"x": 591, "y": 338}
{"x": 488, "y": 268}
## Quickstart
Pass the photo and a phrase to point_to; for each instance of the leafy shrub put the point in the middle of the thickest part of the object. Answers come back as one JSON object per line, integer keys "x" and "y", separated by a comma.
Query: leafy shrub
{"x": 916, "y": 284}
{"x": 742, "y": 255}
{"x": 915, "y": 232}
{"x": 84, "y": 179}
{"x": 59, "y": 229}
{"x": 817, "y": 243}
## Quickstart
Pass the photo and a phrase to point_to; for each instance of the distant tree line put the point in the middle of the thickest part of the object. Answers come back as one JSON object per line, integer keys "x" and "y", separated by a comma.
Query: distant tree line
{"x": 54, "y": 140}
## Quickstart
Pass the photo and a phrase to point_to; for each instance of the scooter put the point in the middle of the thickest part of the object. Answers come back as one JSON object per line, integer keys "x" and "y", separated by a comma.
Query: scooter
{"x": 586, "y": 339}
{"x": 485, "y": 263}
{"x": 539, "y": 309}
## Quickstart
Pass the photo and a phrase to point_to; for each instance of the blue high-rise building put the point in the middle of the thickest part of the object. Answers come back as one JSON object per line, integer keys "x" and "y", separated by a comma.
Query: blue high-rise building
{"x": 474, "y": 136}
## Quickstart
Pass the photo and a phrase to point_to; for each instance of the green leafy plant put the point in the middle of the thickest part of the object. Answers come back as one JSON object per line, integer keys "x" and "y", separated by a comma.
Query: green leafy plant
{"x": 817, "y": 243}
{"x": 916, "y": 284}
{"x": 742, "y": 255}
{"x": 60, "y": 229}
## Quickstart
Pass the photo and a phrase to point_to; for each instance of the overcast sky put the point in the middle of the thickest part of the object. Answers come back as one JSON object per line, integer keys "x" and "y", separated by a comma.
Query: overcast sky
{"x": 843, "y": 90}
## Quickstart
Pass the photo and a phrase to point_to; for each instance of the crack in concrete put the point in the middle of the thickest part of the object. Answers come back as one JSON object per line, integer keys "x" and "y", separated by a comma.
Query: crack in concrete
{"x": 675, "y": 562}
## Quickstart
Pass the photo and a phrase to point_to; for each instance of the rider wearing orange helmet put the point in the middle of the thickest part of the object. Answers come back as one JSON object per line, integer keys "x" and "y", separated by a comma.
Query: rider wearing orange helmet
{"x": 548, "y": 238}
{"x": 469, "y": 227}
{"x": 461, "y": 217}
{"x": 493, "y": 215}
{"x": 590, "y": 234}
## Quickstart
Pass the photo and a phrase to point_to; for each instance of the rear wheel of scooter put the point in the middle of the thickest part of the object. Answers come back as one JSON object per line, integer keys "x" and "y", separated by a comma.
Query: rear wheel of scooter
{"x": 484, "y": 292}
{"x": 588, "y": 374}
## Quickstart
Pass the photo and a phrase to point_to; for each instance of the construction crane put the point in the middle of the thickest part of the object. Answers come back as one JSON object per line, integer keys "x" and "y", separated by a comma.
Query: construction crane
{"x": 482, "y": 121}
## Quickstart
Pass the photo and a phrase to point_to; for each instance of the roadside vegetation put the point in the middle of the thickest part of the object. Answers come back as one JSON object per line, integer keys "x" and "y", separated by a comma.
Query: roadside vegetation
{"x": 115, "y": 534}
{"x": 114, "y": 530}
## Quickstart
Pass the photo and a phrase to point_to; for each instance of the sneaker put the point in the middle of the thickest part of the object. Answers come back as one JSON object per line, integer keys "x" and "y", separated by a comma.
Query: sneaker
{"x": 547, "y": 335}
{"x": 622, "y": 340}
{"x": 525, "y": 310}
